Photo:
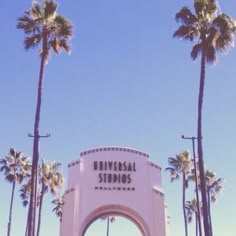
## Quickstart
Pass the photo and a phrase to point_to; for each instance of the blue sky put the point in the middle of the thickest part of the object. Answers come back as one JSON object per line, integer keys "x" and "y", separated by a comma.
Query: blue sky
{"x": 126, "y": 83}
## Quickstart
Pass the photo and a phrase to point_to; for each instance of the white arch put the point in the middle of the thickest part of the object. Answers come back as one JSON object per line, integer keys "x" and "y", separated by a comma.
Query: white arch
{"x": 90, "y": 194}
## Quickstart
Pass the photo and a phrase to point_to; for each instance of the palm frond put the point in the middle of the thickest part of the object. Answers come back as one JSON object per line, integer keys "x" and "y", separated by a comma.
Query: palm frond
{"x": 223, "y": 43}
{"x": 226, "y": 29}
{"x": 210, "y": 54}
{"x": 27, "y": 24}
{"x": 173, "y": 173}
{"x": 10, "y": 178}
{"x": 185, "y": 16}
{"x": 205, "y": 7}
{"x": 32, "y": 41}
{"x": 50, "y": 8}
{"x": 224, "y": 22}
{"x": 55, "y": 44}
{"x": 12, "y": 152}
{"x": 185, "y": 32}
{"x": 59, "y": 44}
{"x": 65, "y": 46}
{"x": 25, "y": 191}
{"x": 36, "y": 12}
{"x": 196, "y": 50}
{"x": 6, "y": 169}
{"x": 58, "y": 201}
{"x": 64, "y": 25}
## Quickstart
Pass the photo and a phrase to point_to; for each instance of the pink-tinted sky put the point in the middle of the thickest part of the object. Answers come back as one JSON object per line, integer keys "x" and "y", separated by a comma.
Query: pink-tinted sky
{"x": 126, "y": 83}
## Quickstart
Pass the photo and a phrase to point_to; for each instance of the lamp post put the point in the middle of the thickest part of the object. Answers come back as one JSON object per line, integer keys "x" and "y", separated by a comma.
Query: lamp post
{"x": 196, "y": 182}
{"x": 108, "y": 224}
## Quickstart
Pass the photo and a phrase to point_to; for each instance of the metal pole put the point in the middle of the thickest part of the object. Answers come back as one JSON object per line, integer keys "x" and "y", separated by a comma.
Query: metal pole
{"x": 108, "y": 224}
{"x": 196, "y": 182}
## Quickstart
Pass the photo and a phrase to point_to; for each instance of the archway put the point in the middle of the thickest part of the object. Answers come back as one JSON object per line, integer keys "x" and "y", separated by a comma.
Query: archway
{"x": 112, "y": 225}
{"x": 116, "y": 210}
{"x": 114, "y": 180}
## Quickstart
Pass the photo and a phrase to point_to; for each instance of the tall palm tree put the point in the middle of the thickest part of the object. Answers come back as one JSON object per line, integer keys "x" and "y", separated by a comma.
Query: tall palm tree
{"x": 214, "y": 187}
{"x": 50, "y": 178}
{"x": 16, "y": 167}
{"x": 212, "y": 31}
{"x": 181, "y": 165}
{"x": 47, "y": 29}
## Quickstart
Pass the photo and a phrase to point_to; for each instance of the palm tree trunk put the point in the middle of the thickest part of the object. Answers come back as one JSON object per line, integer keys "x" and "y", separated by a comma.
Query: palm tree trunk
{"x": 40, "y": 208}
{"x": 184, "y": 211}
{"x": 197, "y": 190}
{"x": 11, "y": 206}
{"x": 108, "y": 225}
{"x": 33, "y": 200}
{"x": 200, "y": 148}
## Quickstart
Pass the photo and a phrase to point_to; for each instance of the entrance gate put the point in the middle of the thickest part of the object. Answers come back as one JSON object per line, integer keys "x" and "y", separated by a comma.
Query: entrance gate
{"x": 117, "y": 181}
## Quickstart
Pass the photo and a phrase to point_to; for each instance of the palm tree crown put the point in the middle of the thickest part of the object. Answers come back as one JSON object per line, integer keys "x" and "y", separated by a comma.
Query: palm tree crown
{"x": 43, "y": 22}
{"x": 211, "y": 30}
{"x": 181, "y": 164}
{"x": 16, "y": 166}
{"x": 50, "y": 175}
{"x": 214, "y": 184}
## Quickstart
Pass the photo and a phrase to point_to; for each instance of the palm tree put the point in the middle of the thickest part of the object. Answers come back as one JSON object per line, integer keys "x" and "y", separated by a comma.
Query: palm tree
{"x": 50, "y": 178}
{"x": 192, "y": 209}
{"x": 58, "y": 202}
{"x": 214, "y": 187}
{"x": 213, "y": 31}
{"x": 16, "y": 167}
{"x": 44, "y": 27}
{"x": 181, "y": 165}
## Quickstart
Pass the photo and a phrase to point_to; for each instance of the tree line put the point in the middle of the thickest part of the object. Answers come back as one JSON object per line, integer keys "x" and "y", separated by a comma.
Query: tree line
{"x": 47, "y": 30}
{"x": 182, "y": 166}
{"x": 16, "y": 168}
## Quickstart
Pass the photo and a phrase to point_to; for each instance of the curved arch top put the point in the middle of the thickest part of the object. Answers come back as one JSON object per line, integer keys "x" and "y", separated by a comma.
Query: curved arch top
{"x": 114, "y": 180}
{"x": 115, "y": 210}
{"x": 113, "y": 148}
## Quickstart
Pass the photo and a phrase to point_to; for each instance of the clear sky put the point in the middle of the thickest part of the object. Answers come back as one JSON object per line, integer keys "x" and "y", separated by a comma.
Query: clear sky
{"x": 126, "y": 83}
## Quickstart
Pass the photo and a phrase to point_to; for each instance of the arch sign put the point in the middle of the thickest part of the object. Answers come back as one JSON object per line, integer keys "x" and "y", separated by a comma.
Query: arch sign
{"x": 118, "y": 181}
